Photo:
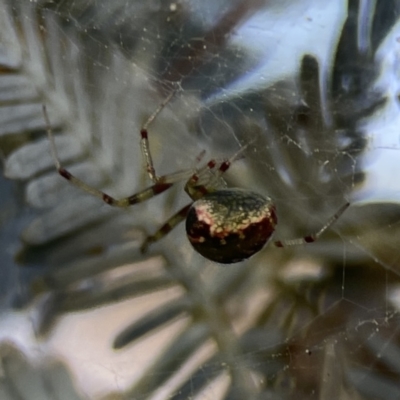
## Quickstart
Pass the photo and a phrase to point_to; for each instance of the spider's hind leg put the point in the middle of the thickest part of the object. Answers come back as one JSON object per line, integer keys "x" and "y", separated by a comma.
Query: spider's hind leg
{"x": 313, "y": 237}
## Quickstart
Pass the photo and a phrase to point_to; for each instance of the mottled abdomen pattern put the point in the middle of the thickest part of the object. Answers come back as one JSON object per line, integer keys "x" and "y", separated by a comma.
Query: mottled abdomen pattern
{"x": 230, "y": 225}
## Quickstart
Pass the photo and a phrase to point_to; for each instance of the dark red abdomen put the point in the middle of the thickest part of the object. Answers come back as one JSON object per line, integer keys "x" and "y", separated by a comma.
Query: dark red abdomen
{"x": 230, "y": 225}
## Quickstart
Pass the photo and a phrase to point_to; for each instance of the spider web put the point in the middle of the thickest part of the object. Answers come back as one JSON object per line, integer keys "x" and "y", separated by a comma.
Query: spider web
{"x": 308, "y": 91}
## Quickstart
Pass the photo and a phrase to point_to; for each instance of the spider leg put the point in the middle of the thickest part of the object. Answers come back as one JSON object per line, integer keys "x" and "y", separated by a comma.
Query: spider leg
{"x": 165, "y": 182}
{"x": 166, "y": 228}
{"x": 144, "y": 141}
{"x": 181, "y": 175}
{"x": 315, "y": 236}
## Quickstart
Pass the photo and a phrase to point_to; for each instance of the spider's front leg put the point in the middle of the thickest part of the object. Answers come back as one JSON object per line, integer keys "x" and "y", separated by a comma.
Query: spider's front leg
{"x": 144, "y": 140}
{"x": 162, "y": 185}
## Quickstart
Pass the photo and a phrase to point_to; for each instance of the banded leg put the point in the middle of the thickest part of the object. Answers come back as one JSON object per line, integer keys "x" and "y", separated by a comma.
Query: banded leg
{"x": 144, "y": 140}
{"x": 315, "y": 236}
{"x": 166, "y": 228}
{"x": 143, "y": 195}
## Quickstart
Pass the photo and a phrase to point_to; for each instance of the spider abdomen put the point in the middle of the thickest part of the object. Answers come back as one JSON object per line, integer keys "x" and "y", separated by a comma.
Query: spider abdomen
{"x": 230, "y": 225}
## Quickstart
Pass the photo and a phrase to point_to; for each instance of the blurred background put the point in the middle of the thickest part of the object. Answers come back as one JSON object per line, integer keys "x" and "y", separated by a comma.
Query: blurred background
{"x": 308, "y": 91}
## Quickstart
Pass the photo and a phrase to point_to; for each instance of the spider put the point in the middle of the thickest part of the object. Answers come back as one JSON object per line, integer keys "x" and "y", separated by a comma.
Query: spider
{"x": 223, "y": 225}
